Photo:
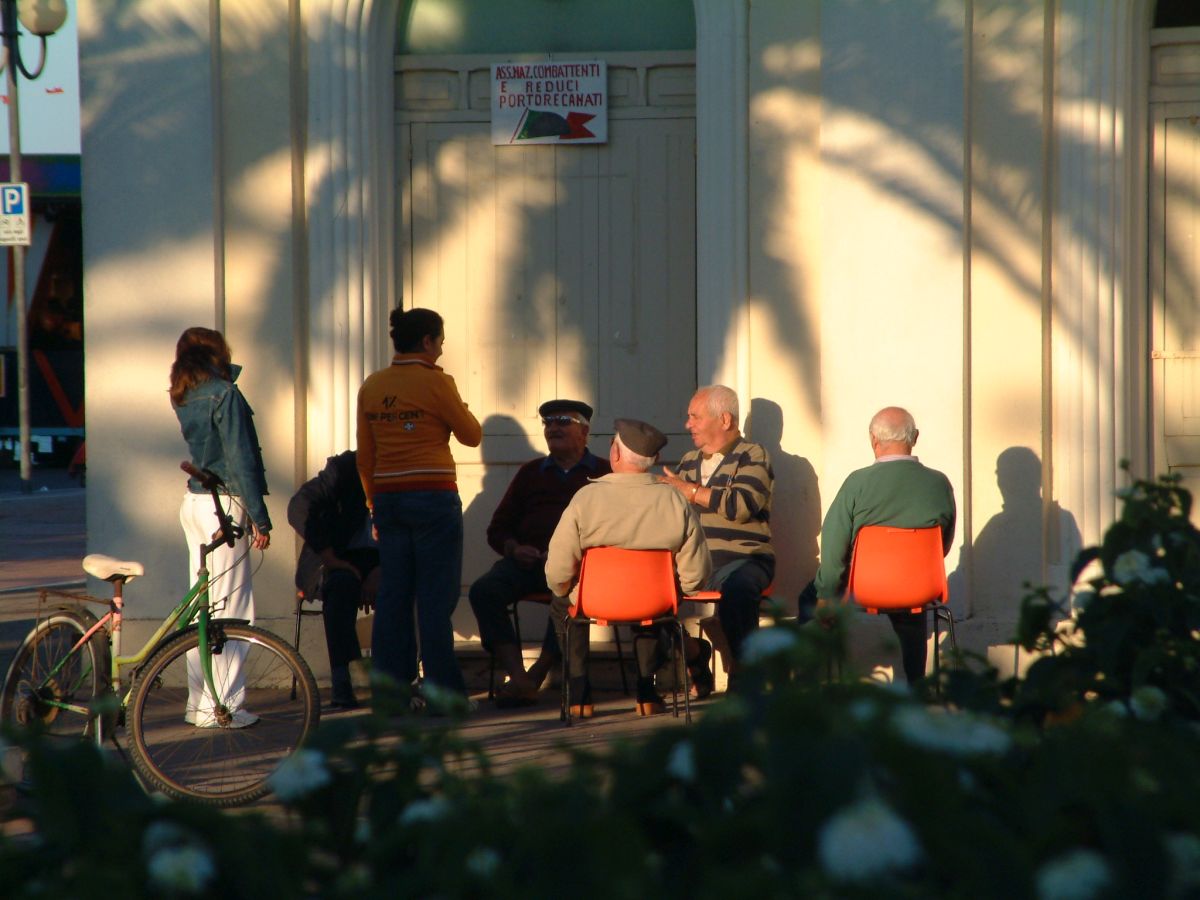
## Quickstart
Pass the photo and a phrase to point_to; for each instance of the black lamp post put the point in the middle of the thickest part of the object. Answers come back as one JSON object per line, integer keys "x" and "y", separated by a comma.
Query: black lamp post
{"x": 41, "y": 18}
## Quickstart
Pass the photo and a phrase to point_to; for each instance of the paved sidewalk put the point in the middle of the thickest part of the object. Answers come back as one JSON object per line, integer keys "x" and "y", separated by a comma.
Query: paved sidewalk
{"x": 43, "y": 539}
{"x": 42, "y": 534}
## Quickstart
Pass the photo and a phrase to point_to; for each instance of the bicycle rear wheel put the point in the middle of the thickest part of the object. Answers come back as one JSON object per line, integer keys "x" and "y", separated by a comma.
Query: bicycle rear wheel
{"x": 221, "y": 761}
{"x": 33, "y": 697}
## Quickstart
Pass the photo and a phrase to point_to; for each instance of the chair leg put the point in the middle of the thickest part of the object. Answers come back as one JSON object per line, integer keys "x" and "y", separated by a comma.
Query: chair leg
{"x": 681, "y": 663}
{"x": 941, "y": 611}
{"x": 565, "y": 713}
{"x": 616, "y": 629}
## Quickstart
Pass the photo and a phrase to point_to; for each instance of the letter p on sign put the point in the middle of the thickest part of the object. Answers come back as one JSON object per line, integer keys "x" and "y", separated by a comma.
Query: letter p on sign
{"x": 12, "y": 200}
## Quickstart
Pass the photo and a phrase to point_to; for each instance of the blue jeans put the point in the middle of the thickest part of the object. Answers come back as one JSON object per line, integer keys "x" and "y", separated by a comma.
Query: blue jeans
{"x": 741, "y": 584}
{"x": 494, "y": 592}
{"x": 420, "y": 560}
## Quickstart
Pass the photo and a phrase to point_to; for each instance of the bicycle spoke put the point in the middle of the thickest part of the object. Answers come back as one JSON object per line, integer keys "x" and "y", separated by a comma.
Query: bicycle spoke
{"x": 228, "y": 762}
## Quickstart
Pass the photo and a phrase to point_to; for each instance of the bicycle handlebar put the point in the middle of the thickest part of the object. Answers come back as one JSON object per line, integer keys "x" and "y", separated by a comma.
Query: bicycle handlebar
{"x": 228, "y": 533}
{"x": 208, "y": 480}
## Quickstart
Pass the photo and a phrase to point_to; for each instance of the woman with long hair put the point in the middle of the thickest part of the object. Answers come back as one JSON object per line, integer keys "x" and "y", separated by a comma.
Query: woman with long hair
{"x": 218, "y": 425}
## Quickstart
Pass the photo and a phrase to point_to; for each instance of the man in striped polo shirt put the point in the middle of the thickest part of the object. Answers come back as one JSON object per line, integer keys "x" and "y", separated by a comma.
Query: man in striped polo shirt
{"x": 729, "y": 480}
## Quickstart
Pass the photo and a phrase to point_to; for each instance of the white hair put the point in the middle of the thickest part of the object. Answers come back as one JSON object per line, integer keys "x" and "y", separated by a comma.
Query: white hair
{"x": 894, "y": 425}
{"x": 635, "y": 459}
{"x": 720, "y": 399}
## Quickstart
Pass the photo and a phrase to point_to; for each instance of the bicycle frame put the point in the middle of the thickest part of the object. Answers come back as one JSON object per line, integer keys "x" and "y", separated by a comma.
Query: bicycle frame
{"x": 194, "y": 607}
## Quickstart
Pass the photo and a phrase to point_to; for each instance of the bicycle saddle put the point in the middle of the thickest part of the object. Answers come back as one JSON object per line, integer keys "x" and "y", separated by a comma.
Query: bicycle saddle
{"x": 109, "y": 568}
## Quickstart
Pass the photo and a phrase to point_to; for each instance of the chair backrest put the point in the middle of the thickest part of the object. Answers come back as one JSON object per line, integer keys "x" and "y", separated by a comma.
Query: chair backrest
{"x": 619, "y": 585}
{"x": 897, "y": 568}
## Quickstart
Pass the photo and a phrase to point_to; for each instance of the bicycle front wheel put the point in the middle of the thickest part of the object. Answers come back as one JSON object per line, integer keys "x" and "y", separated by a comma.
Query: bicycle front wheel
{"x": 50, "y": 687}
{"x": 186, "y": 749}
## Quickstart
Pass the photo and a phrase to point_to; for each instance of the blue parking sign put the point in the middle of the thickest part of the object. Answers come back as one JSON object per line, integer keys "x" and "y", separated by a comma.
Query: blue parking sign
{"x": 14, "y": 214}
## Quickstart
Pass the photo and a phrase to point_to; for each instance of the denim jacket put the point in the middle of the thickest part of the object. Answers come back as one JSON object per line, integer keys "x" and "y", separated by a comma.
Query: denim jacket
{"x": 218, "y": 425}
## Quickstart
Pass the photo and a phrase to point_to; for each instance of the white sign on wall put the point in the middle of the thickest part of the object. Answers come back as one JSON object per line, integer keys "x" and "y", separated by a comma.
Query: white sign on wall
{"x": 550, "y": 102}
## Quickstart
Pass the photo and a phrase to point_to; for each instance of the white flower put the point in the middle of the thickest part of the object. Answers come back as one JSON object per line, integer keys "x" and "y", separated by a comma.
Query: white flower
{"x": 896, "y": 688}
{"x": 483, "y": 862}
{"x": 766, "y": 642}
{"x": 681, "y": 763}
{"x": 187, "y": 869}
{"x": 1116, "y": 708}
{"x": 1183, "y": 850}
{"x": 866, "y": 840}
{"x": 1148, "y": 703}
{"x": 862, "y": 710}
{"x": 428, "y": 809}
{"x": 958, "y": 734}
{"x": 299, "y": 774}
{"x": 362, "y": 832}
{"x": 1078, "y": 875}
{"x": 161, "y": 834}
{"x": 1135, "y": 567}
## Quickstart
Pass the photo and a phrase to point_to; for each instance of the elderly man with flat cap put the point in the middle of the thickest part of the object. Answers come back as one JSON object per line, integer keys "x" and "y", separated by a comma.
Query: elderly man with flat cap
{"x": 520, "y": 531}
{"x": 628, "y": 508}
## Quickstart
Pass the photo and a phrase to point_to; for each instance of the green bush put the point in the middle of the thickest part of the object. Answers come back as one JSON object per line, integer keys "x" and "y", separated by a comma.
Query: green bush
{"x": 1082, "y": 780}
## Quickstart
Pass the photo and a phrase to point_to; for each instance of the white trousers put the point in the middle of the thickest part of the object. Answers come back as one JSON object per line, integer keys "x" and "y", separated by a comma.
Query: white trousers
{"x": 230, "y": 597}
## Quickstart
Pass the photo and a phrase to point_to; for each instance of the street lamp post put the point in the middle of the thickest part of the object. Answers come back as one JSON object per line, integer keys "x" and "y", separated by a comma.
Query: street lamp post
{"x": 42, "y": 18}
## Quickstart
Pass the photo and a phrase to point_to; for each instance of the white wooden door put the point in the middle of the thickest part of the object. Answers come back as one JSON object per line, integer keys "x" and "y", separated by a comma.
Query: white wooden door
{"x": 1175, "y": 277}
{"x": 560, "y": 271}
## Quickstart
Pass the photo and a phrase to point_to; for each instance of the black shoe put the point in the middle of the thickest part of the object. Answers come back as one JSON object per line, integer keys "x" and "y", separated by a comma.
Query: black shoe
{"x": 701, "y": 673}
{"x": 342, "y": 695}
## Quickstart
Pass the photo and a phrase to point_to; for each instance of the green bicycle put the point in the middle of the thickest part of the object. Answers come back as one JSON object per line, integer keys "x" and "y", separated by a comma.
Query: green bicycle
{"x": 255, "y": 714}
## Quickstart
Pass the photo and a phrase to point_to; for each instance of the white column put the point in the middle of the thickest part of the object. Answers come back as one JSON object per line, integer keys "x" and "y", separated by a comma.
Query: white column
{"x": 721, "y": 193}
{"x": 1095, "y": 253}
{"x": 350, "y": 200}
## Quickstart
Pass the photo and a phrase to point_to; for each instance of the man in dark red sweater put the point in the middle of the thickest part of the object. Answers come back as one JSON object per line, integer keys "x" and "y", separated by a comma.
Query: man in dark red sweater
{"x": 520, "y": 532}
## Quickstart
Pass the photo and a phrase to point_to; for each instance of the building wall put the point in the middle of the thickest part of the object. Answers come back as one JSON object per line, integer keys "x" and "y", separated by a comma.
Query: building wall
{"x": 187, "y": 186}
{"x": 927, "y": 203}
{"x": 1004, "y": 295}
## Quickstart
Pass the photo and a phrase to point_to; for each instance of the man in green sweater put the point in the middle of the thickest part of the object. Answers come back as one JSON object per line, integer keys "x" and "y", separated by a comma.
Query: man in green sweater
{"x": 896, "y": 490}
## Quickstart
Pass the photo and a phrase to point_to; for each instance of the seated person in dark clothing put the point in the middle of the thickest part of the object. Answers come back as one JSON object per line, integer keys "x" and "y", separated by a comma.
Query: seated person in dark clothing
{"x": 520, "y": 532}
{"x": 339, "y": 564}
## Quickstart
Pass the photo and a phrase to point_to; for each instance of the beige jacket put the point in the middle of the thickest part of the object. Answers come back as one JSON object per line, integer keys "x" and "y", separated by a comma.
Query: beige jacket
{"x": 631, "y": 511}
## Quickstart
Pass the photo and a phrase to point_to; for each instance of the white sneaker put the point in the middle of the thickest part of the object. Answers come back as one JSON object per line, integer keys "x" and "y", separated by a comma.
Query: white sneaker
{"x": 242, "y": 718}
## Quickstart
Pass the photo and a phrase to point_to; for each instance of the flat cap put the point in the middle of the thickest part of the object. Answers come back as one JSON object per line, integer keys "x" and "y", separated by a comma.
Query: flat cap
{"x": 558, "y": 407}
{"x": 640, "y": 437}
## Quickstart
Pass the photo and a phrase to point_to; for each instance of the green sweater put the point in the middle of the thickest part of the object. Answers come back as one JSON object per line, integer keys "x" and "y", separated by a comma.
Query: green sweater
{"x": 899, "y": 492}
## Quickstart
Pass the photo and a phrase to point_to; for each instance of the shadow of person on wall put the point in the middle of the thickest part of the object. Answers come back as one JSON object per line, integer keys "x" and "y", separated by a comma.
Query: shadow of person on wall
{"x": 1008, "y": 554}
{"x": 504, "y": 450}
{"x": 795, "y": 506}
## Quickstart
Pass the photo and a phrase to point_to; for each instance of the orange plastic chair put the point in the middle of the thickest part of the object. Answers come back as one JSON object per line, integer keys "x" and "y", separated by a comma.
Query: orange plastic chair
{"x": 626, "y": 587}
{"x": 901, "y": 570}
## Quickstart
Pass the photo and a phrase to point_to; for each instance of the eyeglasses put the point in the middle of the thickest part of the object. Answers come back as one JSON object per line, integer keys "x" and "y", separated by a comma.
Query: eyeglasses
{"x": 547, "y": 421}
